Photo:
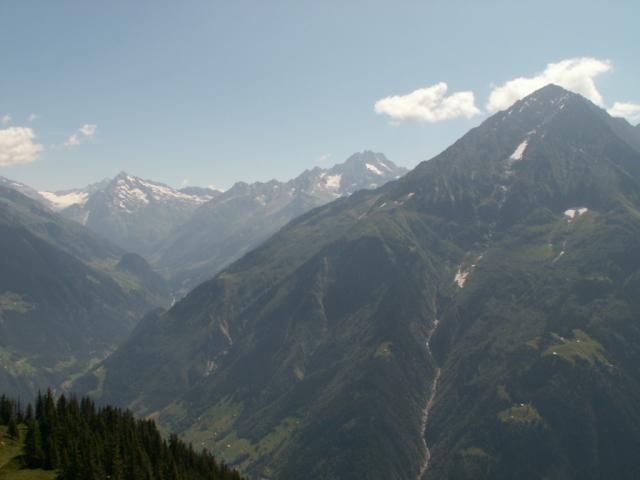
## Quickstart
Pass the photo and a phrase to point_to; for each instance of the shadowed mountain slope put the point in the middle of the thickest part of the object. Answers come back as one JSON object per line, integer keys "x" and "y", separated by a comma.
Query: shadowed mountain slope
{"x": 63, "y": 304}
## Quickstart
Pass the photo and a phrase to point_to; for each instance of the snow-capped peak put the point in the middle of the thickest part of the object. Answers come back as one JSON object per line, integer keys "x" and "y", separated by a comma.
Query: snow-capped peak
{"x": 131, "y": 193}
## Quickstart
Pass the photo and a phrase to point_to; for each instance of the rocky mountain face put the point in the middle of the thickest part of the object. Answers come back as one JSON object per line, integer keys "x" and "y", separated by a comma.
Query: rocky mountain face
{"x": 223, "y": 229}
{"x": 129, "y": 211}
{"x": 63, "y": 303}
{"x": 476, "y": 319}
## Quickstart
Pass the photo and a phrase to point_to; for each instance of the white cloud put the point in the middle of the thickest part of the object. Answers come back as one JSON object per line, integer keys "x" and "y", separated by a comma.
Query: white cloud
{"x": 630, "y": 111}
{"x": 429, "y": 104}
{"x": 575, "y": 74}
{"x": 85, "y": 131}
{"x": 184, "y": 183}
{"x": 17, "y": 146}
{"x": 5, "y": 119}
{"x": 88, "y": 130}
{"x": 72, "y": 141}
{"x": 33, "y": 117}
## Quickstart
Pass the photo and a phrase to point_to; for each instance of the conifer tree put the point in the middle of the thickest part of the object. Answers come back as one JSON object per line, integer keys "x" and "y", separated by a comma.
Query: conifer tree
{"x": 33, "y": 446}
{"x": 12, "y": 429}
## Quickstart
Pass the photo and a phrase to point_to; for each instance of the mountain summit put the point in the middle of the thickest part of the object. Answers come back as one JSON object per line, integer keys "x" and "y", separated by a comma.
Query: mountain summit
{"x": 132, "y": 212}
{"x": 475, "y": 319}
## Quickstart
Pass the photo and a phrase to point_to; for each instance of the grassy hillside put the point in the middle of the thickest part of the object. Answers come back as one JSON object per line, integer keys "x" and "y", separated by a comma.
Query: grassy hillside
{"x": 12, "y": 466}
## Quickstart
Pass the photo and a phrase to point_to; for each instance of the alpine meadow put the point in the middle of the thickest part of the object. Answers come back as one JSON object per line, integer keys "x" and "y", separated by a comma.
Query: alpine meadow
{"x": 200, "y": 279}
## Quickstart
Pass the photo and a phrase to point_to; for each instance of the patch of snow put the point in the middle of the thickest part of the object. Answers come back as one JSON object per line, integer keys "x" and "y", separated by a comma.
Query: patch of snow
{"x": 139, "y": 195}
{"x": 461, "y": 277}
{"x": 575, "y": 212}
{"x": 519, "y": 151}
{"x": 59, "y": 202}
{"x": 373, "y": 169}
{"x": 384, "y": 165}
{"x": 211, "y": 366}
{"x": 156, "y": 191}
{"x": 333, "y": 181}
{"x": 405, "y": 198}
{"x": 558, "y": 257}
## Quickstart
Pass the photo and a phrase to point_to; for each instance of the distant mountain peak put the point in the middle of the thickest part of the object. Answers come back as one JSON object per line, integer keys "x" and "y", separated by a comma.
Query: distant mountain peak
{"x": 374, "y": 162}
{"x": 141, "y": 192}
{"x": 131, "y": 211}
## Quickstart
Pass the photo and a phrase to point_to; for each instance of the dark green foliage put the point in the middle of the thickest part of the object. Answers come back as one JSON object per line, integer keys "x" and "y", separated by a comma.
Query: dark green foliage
{"x": 84, "y": 442}
{"x": 12, "y": 429}
{"x": 34, "y": 452}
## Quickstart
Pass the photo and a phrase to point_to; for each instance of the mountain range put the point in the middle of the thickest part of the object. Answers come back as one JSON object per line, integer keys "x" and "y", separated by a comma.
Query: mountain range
{"x": 231, "y": 224}
{"x": 474, "y": 319}
{"x": 189, "y": 234}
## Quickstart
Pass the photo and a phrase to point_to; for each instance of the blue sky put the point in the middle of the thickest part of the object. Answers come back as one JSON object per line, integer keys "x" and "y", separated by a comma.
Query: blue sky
{"x": 211, "y": 92}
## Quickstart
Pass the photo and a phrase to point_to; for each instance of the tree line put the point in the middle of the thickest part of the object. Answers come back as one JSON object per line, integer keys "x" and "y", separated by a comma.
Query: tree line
{"x": 83, "y": 442}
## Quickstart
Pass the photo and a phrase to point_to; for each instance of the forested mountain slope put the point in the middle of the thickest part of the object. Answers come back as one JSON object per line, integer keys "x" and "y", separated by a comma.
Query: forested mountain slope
{"x": 475, "y": 319}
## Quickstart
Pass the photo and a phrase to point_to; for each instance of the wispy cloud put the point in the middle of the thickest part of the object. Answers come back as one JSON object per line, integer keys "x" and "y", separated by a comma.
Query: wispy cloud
{"x": 575, "y": 74}
{"x": 630, "y": 111}
{"x": 84, "y": 132}
{"x": 72, "y": 141}
{"x": 88, "y": 130}
{"x": 428, "y": 104}
{"x": 324, "y": 158}
{"x": 32, "y": 117}
{"x": 5, "y": 119}
{"x": 17, "y": 146}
